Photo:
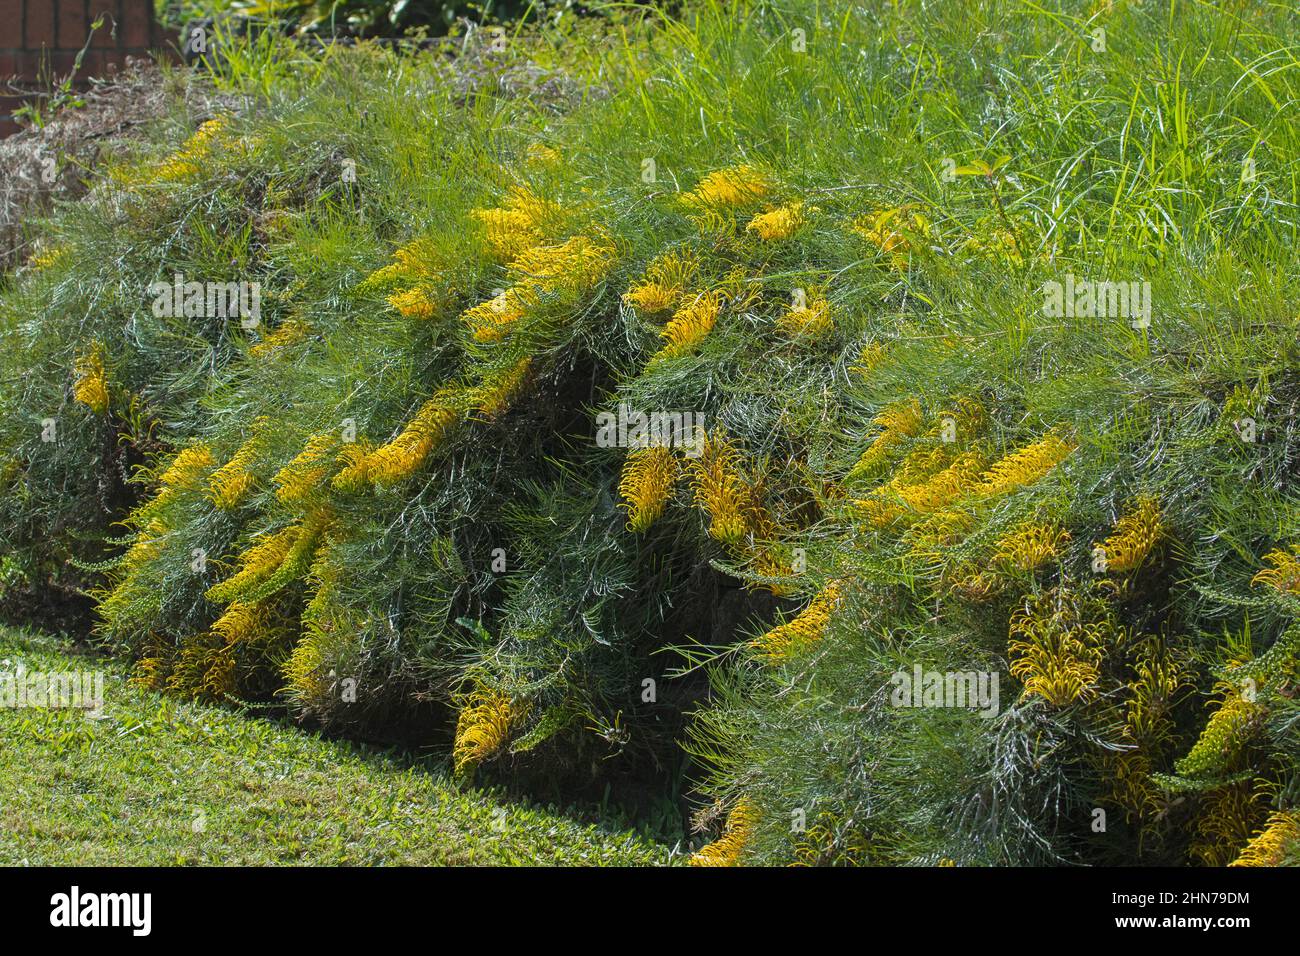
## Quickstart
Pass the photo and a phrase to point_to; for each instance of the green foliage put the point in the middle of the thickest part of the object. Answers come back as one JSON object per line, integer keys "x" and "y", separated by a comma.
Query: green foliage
{"x": 829, "y": 232}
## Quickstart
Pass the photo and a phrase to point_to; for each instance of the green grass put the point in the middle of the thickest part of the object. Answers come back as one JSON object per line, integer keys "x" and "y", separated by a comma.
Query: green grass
{"x": 157, "y": 782}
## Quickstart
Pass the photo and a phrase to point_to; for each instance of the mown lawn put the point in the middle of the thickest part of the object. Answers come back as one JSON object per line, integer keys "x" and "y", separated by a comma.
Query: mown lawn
{"x": 154, "y": 781}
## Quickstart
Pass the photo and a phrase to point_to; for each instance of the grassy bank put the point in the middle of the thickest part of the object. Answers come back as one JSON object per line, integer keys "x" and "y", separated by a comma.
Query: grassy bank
{"x": 154, "y": 781}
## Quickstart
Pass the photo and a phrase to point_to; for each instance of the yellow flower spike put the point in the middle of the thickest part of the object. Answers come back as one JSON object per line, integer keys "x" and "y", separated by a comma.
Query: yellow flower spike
{"x": 190, "y": 160}
{"x": 1030, "y": 546}
{"x": 288, "y": 333}
{"x": 418, "y": 302}
{"x": 726, "y": 850}
{"x": 299, "y": 480}
{"x": 1228, "y": 818}
{"x": 1225, "y": 735}
{"x": 1283, "y": 576}
{"x": 304, "y": 671}
{"x": 796, "y": 635}
{"x": 648, "y": 478}
{"x": 664, "y": 283}
{"x": 810, "y": 319}
{"x": 520, "y": 223}
{"x": 869, "y": 359}
{"x": 1025, "y": 466}
{"x": 721, "y": 490}
{"x": 689, "y": 325}
{"x": 257, "y": 564}
{"x": 400, "y": 458}
{"x": 354, "y": 466}
{"x": 780, "y": 223}
{"x": 46, "y": 258}
{"x": 483, "y": 728}
{"x": 187, "y": 468}
{"x": 416, "y": 262}
{"x": 1270, "y": 846}
{"x": 1056, "y": 653}
{"x": 1136, "y": 533}
{"x": 91, "y": 387}
{"x": 241, "y": 623}
{"x": 539, "y": 154}
{"x": 494, "y": 397}
{"x": 897, "y": 423}
{"x": 726, "y": 188}
{"x": 894, "y": 232}
{"x": 229, "y": 484}
{"x": 490, "y": 321}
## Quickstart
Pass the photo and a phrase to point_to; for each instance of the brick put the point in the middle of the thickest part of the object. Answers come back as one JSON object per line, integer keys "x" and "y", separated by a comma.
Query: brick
{"x": 137, "y": 22}
{"x": 11, "y": 23}
{"x": 40, "y": 25}
{"x": 70, "y": 19}
{"x": 8, "y": 64}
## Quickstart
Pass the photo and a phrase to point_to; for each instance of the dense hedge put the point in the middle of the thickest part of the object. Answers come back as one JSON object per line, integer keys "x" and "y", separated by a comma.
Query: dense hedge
{"x": 388, "y": 504}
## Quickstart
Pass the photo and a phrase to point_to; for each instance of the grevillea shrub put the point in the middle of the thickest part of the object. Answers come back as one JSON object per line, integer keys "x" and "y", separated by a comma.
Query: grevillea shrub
{"x": 977, "y": 543}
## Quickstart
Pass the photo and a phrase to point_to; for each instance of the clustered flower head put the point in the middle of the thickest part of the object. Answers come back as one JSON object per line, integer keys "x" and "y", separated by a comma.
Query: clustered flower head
{"x": 1025, "y": 466}
{"x": 483, "y": 727}
{"x": 1030, "y": 546}
{"x": 664, "y": 283}
{"x": 727, "y": 188}
{"x": 779, "y": 223}
{"x": 91, "y": 387}
{"x": 648, "y": 478}
{"x": 810, "y": 318}
{"x": 726, "y": 850}
{"x": 689, "y": 325}
{"x": 721, "y": 490}
{"x": 1270, "y": 846}
{"x": 897, "y": 422}
{"x": 399, "y": 458}
{"x": 1284, "y": 575}
{"x": 231, "y": 483}
{"x": 299, "y": 480}
{"x": 521, "y": 222}
{"x": 1135, "y": 535}
{"x": 792, "y": 637}
{"x": 1057, "y": 648}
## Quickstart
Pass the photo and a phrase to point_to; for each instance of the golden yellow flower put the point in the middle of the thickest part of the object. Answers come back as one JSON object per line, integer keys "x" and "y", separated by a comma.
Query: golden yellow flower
{"x": 897, "y": 422}
{"x": 647, "y": 481}
{"x": 1025, "y": 466}
{"x": 1057, "y": 651}
{"x": 664, "y": 282}
{"x": 241, "y": 622}
{"x": 490, "y": 321}
{"x": 721, "y": 490}
{"x": 539, "y": 154}
{"x": 1270, "y": 846}
{"x": 417, "y": 261}
{"x": 400, "y": 458}
{"x": 895, "y": 232}
{"x": 869, "y": 359}
{"x": 189, "y": 160}
{"x": 1030, "y": 546}
{"x": 45, "y": 258}
{"x": 522, "y": 221}
{"x": 725, "y": 188}
{"x": 257, "y": 564}
{"x": 689, "y": 325}
{"x": 1135, "y": 535}
{"x": 811, "y": 318}
{"x": 288, "y": 333}
{"x": 299, "y": 480}
{"x": 780, "y": 223}
{"x": 187, "y": 468}
{"x": 796, "y": 635}
{"x": 494, "y": 397}
{"x": 483, "y": 727}
{"x": 726, "y": 850}
{"x": 91, "y": 387}
{"x": 1283, "y": 576}
{"x": 229, "y": 484}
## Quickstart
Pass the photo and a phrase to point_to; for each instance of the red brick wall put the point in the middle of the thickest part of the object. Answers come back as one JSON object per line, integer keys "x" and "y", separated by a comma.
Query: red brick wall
{"x": 33, "y": 32}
